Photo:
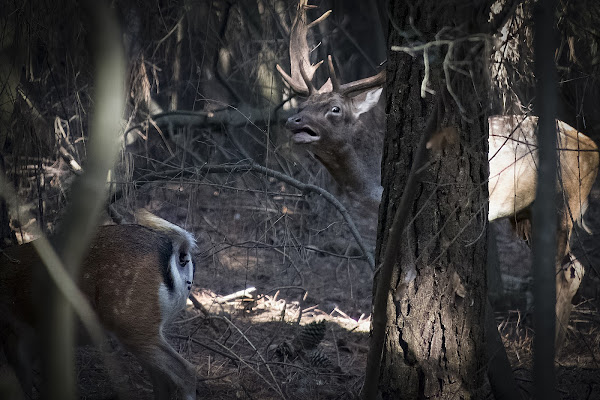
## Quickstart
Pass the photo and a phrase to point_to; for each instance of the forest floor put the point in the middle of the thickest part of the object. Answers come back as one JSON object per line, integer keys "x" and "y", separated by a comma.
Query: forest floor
{"x": 294, "y": 251}
{"x": 578, "y": 362}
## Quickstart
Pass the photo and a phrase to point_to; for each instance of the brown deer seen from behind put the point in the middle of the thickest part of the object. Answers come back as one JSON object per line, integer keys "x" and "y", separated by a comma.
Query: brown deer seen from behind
{"x": 344, "y": 126}
{"x": 136, "y": 277}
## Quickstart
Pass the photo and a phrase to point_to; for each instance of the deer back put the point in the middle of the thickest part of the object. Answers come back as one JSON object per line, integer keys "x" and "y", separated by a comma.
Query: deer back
{"x": 513, "y": 166}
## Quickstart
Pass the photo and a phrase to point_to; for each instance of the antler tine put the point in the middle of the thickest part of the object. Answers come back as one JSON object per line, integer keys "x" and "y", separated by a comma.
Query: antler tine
{"x": 299, "y": 89}
{"x": 302, "y": 71}
{"x": 320, "y": 19}
{"x": 334, "y": 80}
{"x": 363, "y": 84}
{"x": 307, "y": 80}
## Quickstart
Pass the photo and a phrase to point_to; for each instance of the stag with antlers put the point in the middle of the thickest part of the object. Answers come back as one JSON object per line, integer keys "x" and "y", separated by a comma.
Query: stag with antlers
{"x": 343, "y": 125}
{"x": 337, "y": 121}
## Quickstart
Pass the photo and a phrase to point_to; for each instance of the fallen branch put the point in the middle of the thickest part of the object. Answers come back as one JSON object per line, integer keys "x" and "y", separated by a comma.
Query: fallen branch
{"x": 241, "y": 293}
{"x": 197, "y": 304}
{"x": 229, "y": 115}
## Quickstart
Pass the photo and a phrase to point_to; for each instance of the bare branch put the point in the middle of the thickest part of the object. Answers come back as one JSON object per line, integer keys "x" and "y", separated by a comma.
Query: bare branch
{"x": 304, "y": 187}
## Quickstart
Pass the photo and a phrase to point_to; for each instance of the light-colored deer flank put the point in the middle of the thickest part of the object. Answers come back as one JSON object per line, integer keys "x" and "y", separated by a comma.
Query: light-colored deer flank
{"x": 137, "y": 278}
{"x": 344, "y": 126}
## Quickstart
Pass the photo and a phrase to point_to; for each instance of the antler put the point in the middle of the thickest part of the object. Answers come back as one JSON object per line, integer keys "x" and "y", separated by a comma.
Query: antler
{"x": 302, "y": 70}
{"x": 335, "y": 83}
{"x": 363, "y": 84}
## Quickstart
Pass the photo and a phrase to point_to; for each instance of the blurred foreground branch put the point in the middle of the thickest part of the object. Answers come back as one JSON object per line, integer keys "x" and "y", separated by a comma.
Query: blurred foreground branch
{"x": 88, "y": 195}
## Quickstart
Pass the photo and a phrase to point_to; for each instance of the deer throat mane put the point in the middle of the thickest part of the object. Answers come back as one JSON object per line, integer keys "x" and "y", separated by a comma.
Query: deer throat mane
{"x": 354, "y": 176}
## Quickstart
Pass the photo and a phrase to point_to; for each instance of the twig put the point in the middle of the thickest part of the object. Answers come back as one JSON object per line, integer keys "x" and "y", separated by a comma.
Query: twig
{"x": 115, "y": 215}
{"x": 329, "y": 253}
{"x": 210, "y": 348}
{"x": 240, "y": 293}
{"x": 357, "y": 46}
{"x": 275, "y": 382}
{"x": 499, "y": 20}
{"x": 235, "y": 357}
{"x": 304, "y": 187}
{"x": 446, "y": 64}
{"x": 65, "y": 148}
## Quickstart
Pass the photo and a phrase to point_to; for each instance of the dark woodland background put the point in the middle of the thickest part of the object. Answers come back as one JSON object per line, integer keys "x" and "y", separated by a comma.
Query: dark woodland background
{"x": 203, "y": 96}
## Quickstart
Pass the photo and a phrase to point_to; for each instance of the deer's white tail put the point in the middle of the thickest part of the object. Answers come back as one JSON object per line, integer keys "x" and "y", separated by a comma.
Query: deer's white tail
{"x": 183, "y": 241}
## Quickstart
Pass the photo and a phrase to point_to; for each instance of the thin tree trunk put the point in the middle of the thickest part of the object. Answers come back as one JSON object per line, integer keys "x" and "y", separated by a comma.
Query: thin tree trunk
{"x": 7, "y": 236}
{"x": 11, "y": 62}
{"x": 544, "y": 212}
{"x": 176, "y": 84}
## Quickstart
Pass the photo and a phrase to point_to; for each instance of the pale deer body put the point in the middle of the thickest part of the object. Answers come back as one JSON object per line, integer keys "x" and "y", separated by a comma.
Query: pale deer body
{"x": 512, "y": 186}
{"x": 136, "y": 279}
{"x": 350, "y": 146}
{"x": 513, "y": 170}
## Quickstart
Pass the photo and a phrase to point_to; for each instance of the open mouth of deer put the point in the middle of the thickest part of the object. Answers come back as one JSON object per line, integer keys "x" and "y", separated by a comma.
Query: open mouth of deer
{"x": 304, "y": 135}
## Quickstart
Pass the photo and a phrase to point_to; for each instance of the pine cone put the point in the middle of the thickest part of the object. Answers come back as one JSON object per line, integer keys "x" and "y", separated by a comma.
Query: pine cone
{"x": 310, "y": 336}
{"x": 317, "y": 359}
{"x": 284, "y": 351}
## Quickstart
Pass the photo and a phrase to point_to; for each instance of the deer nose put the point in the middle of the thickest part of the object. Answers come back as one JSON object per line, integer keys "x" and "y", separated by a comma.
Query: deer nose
{"x": 293, "y": 120}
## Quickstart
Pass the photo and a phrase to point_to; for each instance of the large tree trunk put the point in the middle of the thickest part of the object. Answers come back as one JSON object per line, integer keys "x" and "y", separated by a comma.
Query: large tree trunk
{"x": 434, "y": 345}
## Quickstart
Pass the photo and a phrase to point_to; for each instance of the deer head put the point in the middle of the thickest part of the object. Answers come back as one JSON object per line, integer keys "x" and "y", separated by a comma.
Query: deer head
{"x": 342, "y": 124}
{"x": 136, "y": 278}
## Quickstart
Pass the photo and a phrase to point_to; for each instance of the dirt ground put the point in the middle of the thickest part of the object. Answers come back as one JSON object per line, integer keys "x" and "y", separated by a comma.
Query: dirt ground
{"x": 295, "y": 252}
{"x": 237, "y": 345}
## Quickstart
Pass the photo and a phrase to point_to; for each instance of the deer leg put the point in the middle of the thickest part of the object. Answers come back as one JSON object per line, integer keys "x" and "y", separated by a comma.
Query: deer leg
{"x": 172, "y": 376}
{"x": 568, "y": 280}
{"x": 569, "y": 273}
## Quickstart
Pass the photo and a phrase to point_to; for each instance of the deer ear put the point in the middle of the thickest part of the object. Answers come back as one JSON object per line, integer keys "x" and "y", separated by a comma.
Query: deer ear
{"x": 365, "y": 101}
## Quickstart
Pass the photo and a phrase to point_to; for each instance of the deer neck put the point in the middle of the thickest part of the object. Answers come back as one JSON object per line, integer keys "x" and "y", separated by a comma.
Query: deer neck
{"x": 357, "y": 172}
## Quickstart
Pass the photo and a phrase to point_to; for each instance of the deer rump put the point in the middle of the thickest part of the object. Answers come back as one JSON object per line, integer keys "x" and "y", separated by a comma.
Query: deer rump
{"x": 135, "y": 278}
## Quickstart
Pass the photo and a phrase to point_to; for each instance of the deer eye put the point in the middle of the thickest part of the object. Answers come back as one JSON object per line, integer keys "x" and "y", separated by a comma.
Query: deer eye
{"x": 335, "y": 109}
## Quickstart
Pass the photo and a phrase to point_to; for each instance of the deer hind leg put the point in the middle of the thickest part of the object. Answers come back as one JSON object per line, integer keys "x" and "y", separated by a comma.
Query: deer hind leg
{"x": 172, "y": 376}
{"x": 568, "y": 280}
{"x": 569, "y": 273}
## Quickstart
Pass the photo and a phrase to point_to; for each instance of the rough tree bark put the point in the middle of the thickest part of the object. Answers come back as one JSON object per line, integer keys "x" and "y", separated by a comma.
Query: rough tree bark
{"x": 434, "y": 346}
